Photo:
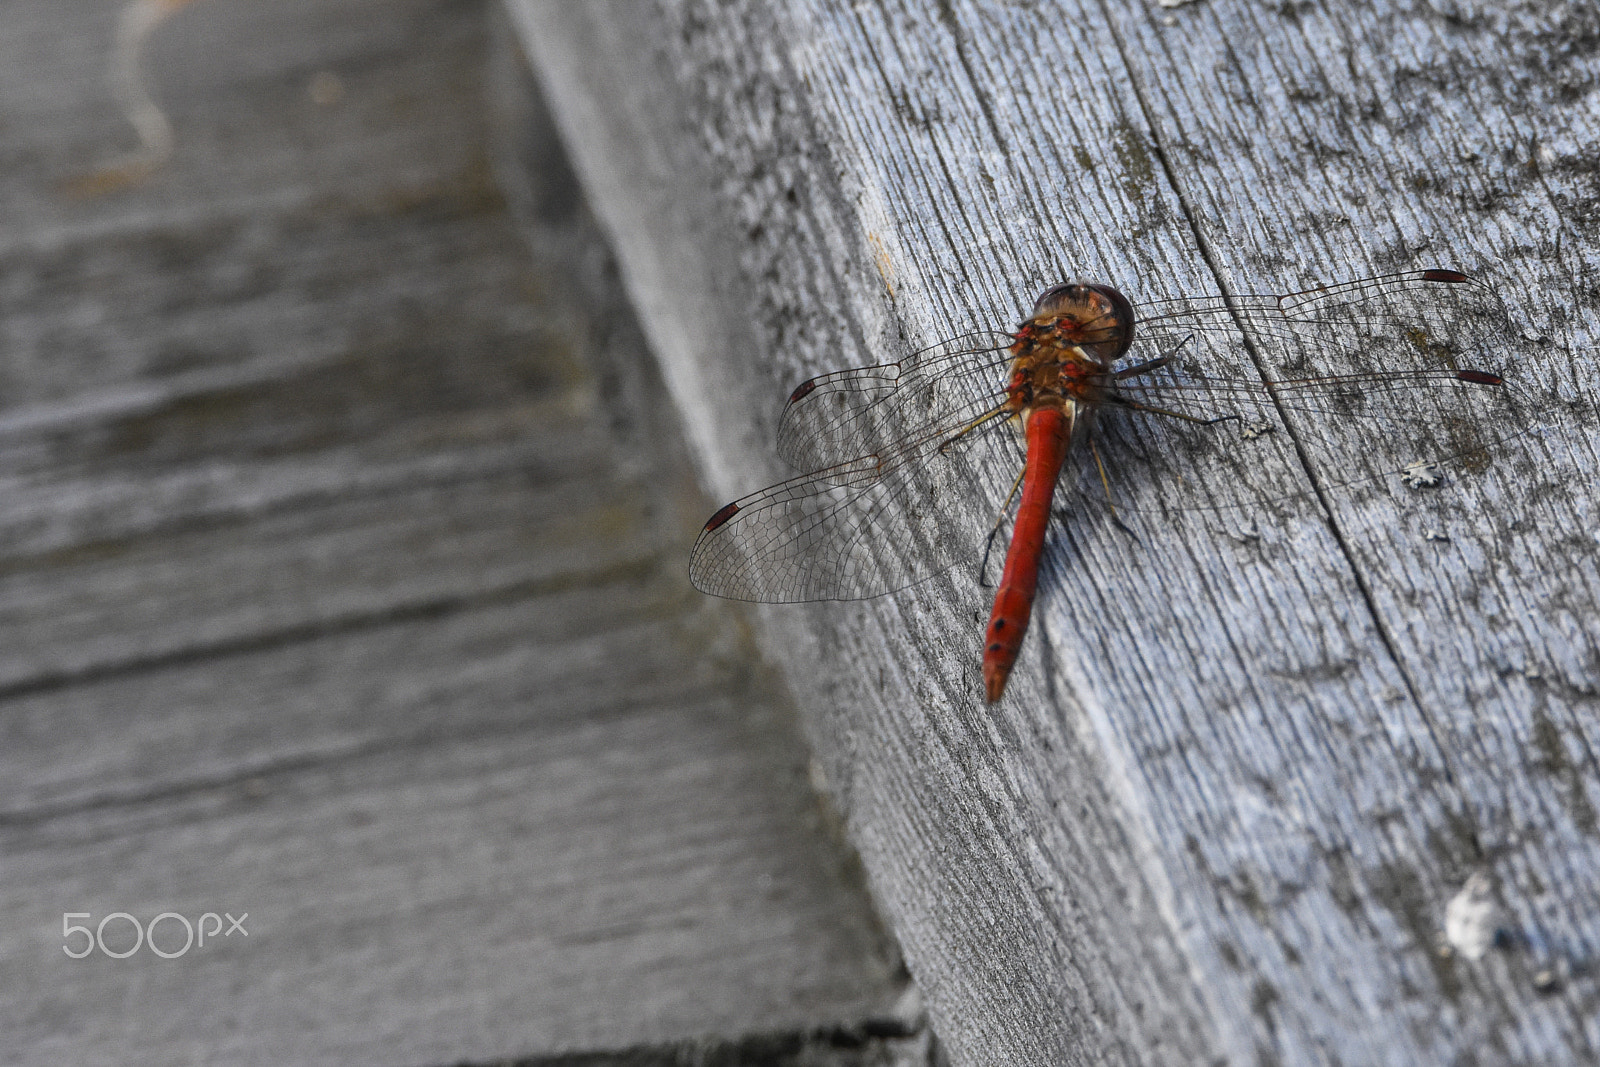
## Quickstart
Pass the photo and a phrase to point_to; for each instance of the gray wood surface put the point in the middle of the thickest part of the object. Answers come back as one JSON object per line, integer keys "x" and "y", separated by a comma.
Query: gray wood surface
{"x": 340, "y": 586}
{"x": 1246, "y": 763}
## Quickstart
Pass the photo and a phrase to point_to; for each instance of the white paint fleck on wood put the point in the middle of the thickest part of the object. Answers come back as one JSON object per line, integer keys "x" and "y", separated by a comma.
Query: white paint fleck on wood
{"x": 1471, "y": 919}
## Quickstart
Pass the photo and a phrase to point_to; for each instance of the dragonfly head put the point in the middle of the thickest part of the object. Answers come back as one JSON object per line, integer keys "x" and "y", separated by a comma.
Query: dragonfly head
{"x": 1094, "y": 318}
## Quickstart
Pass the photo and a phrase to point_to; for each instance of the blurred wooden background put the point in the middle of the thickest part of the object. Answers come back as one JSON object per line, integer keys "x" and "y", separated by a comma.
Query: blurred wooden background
{"x": 341, "y": 584}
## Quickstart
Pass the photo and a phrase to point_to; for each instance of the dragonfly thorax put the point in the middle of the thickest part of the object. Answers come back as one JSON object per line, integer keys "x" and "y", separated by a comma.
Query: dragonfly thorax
{"x": 1045, "y": 376}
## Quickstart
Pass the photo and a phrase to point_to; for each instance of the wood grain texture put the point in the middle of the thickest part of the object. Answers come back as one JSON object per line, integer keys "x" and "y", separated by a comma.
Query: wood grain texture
{"x": 339, "y": 586}
{"x": 1245, "y": 765}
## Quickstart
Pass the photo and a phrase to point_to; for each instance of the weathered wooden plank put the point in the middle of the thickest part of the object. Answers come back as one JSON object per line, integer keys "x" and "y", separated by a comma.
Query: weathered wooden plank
{"x": 338, "y": 587}
{"x": 91, "y": 314}
{"x": 234, "y": 78}
{"x": 1248, "y": 762}
{"x": 225, "y": 505}
{"x": 437, "y": 838}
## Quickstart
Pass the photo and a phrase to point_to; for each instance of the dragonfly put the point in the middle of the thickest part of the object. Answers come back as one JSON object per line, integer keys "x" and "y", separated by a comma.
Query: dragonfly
{"x": 909, "y": 463}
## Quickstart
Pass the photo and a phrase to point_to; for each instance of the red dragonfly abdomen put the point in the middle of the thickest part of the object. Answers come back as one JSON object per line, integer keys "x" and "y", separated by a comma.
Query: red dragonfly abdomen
{"x": 1049, "y": 432}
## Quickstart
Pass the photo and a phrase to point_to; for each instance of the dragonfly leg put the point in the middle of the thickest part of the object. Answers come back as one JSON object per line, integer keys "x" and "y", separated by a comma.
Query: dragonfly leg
{"x": 1105, "y": 484}
{"x": 1152, "y": 364}
{"x": 1150, "y": 409}
{"x": 994, "y": 531}
{"x": 1142, "y": 368}
{"x": 993, "y": 413}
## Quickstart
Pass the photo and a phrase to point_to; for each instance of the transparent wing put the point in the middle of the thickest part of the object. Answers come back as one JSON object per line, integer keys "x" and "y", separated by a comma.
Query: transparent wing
{"x": 1412, "y": 302}
{"x": 869, "y": 526}
{"x": 833, "y": 418}
{"x": 1356, "y": 381}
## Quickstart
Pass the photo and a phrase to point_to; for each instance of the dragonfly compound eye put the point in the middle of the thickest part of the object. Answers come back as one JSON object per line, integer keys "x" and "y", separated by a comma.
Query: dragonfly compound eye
{"x": 1093, "y": 317}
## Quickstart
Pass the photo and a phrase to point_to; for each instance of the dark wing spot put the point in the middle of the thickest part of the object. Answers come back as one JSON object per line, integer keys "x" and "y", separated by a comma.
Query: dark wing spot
{"x": 726, "y": 512}
{"x": 802, "y": 390}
